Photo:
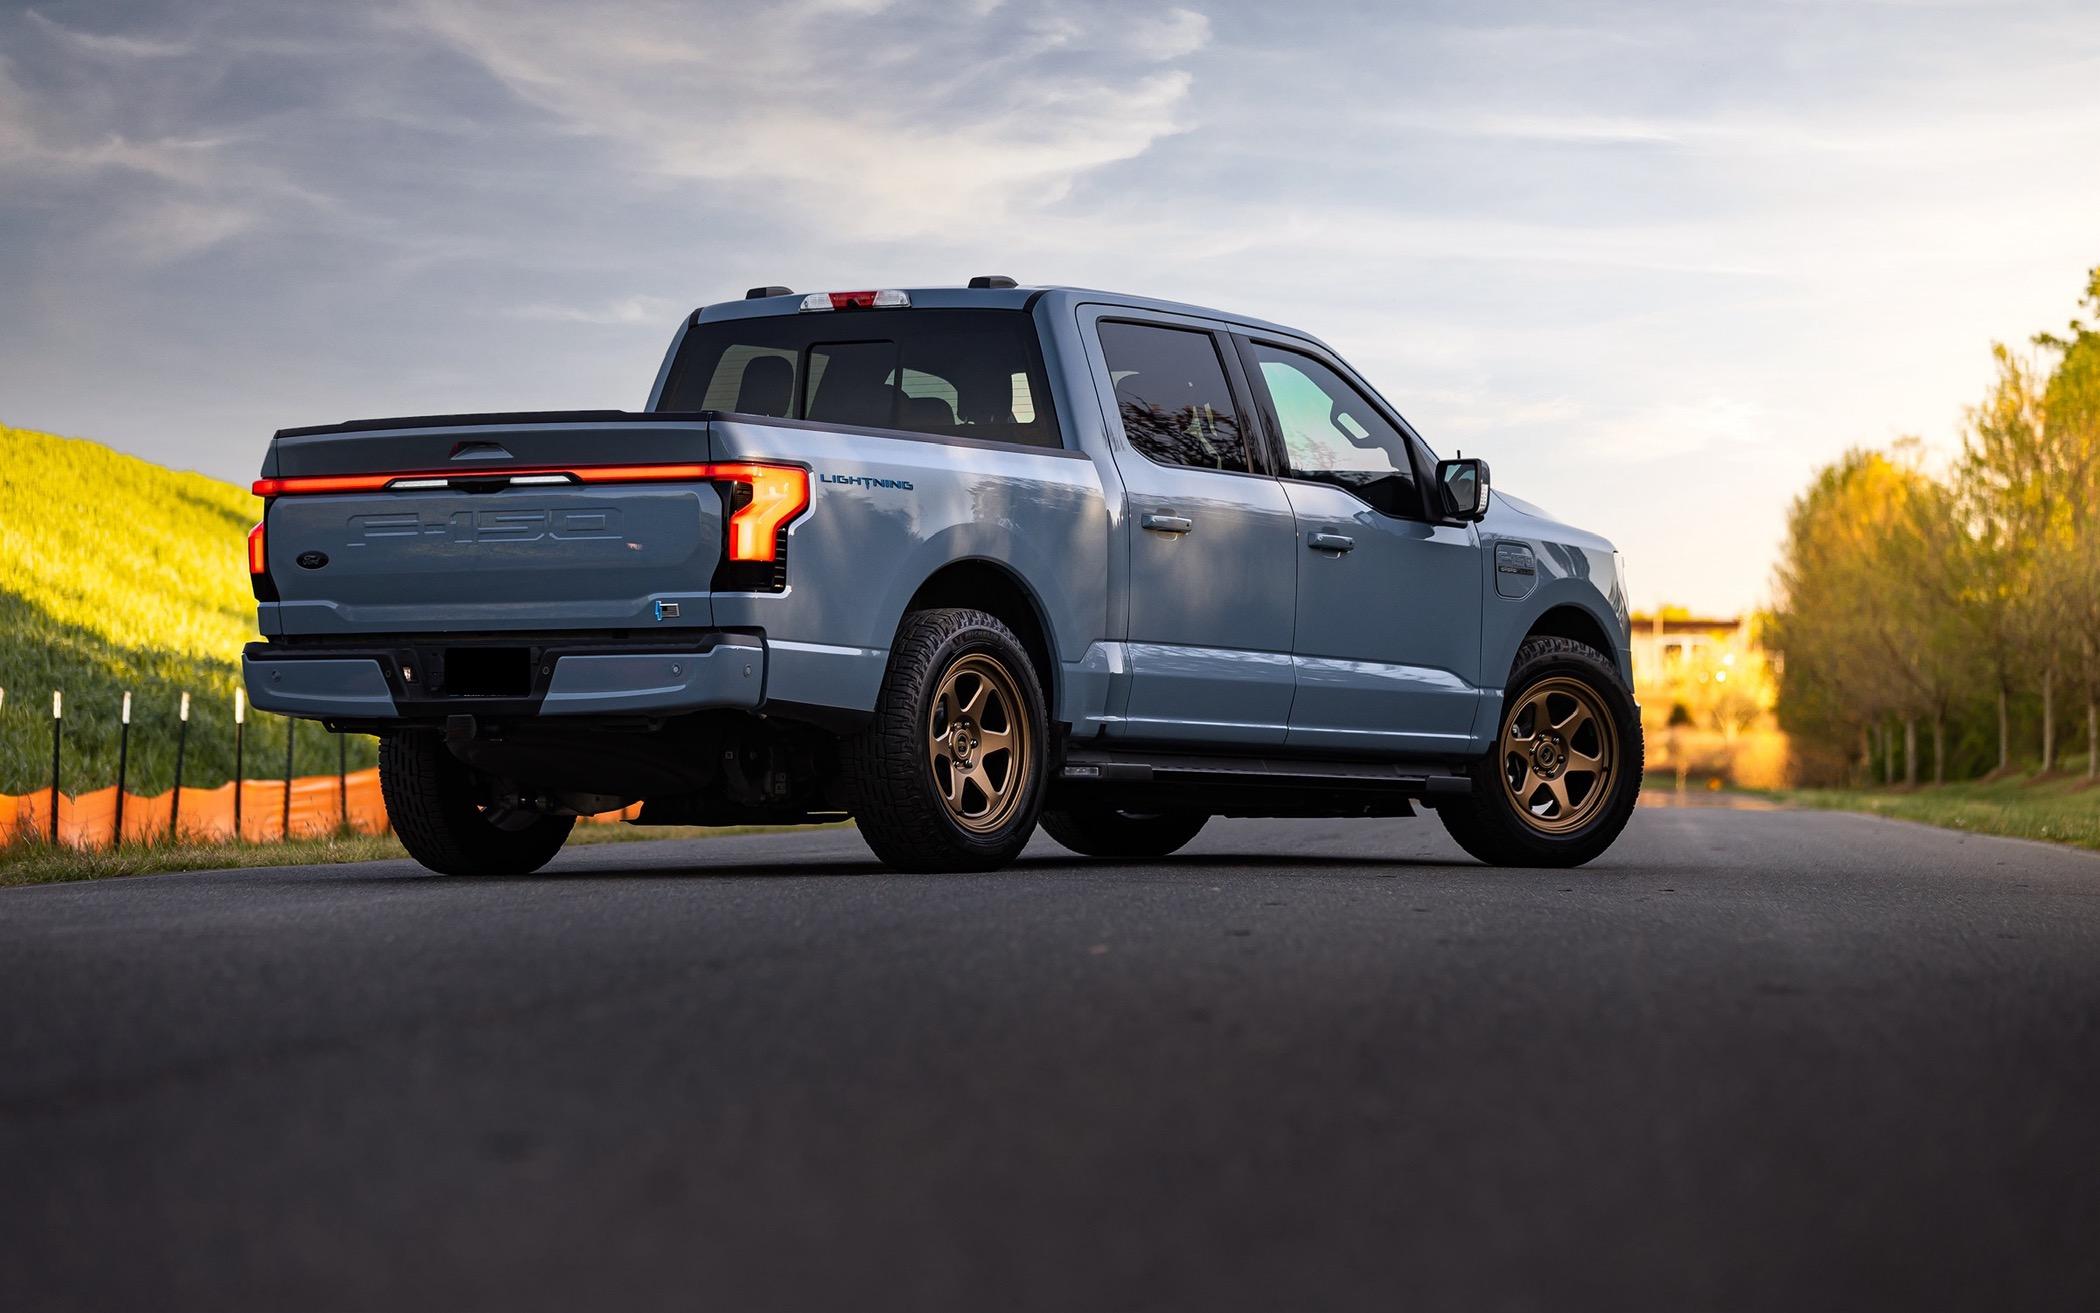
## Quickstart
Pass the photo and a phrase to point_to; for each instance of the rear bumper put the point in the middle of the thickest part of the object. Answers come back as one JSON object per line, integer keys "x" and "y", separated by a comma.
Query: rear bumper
{"x": 510, "y": 677}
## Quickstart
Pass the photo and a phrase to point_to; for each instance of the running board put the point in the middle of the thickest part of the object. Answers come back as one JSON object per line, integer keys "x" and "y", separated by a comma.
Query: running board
{"x": 1245, "y": 779}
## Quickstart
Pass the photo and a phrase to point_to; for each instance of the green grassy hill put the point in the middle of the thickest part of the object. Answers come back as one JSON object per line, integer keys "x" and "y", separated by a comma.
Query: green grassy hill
{"x": 118, "y": 574}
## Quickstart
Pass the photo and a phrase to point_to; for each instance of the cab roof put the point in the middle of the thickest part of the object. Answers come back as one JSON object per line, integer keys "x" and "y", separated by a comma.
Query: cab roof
{"x": 991, "y": 298}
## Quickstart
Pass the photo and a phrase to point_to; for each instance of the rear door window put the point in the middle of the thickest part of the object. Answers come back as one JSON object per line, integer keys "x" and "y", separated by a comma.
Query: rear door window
{"x": 1172, "y": 396}
{"x": 949, "y": 373}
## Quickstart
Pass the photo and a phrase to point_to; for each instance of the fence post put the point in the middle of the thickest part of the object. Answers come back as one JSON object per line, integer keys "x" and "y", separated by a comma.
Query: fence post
{"x": 240, "y": 724}
{"x": 116, "y": 829}
{"x": 182, "y": 743}
{"x": 58, "y": 722}
{"x": 291, "y": 737}
{"x": 342, "y": 782}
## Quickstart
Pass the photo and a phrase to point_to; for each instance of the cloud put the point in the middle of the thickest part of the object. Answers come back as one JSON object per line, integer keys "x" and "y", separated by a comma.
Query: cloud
{"x": 172, "y": 228}
{"x": 114, "y": 46}
{"x": 1675, "y": 429}
{"x": 1171, "y": 35}
{"x": 149, "y": 174}
{"x": 875, "y": 120}
{"x": 624, "y": 310}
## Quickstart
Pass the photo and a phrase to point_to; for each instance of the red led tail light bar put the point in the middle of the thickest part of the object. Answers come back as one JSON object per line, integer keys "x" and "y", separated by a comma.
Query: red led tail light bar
{"x": 778, "y": 492}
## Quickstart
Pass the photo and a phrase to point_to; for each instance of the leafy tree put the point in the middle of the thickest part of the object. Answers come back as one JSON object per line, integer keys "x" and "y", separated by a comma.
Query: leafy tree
{"x": 2070, "y": 406}
{"x": 1902, "y": 596}
{"x": 2004, "y": 500}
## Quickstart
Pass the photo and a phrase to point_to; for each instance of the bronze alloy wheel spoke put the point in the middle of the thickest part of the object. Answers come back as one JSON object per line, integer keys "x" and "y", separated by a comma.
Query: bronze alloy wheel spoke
{"x": 1516, "y": 733}
{"x": 1558, "y": 787}
{"x": 1558, "y": 751}
{"x": 978, "y": 714}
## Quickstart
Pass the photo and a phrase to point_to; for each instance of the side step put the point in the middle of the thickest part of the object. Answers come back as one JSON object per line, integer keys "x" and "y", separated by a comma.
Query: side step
{"x": 1261, "y": 786}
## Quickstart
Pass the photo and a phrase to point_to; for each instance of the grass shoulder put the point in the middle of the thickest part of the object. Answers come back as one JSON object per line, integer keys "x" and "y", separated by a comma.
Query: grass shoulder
{"x": 2057, "y": 808}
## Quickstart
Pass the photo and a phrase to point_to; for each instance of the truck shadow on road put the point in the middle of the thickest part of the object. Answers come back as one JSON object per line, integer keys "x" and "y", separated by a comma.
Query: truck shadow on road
{"x": 832, "y": 869}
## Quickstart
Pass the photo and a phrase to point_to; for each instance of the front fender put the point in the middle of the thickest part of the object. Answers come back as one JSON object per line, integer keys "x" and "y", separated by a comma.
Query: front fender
{"x": 1538, "y": 566}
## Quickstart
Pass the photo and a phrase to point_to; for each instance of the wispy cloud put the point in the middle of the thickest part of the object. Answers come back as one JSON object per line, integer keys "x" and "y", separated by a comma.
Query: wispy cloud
{"x": 111, "y": 45}
{"x": 866, "y": 119}
{"x": 652, "y": 310}
{"x": 171, "y": 228}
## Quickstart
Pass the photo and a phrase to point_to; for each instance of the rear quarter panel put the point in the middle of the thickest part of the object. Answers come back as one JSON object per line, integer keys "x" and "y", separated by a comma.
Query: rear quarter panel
{"x": 886, "y": 512}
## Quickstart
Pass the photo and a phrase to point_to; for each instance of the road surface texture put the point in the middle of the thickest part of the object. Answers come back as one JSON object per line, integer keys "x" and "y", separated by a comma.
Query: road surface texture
{"x": 1749, "y": 1060}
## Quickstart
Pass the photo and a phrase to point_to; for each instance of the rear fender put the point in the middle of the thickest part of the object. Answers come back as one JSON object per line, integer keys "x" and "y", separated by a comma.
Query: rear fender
{"x": 887, "y": 512}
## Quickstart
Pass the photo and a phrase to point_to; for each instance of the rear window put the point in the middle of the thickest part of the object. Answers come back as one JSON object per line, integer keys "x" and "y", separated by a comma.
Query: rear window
{"x": 950, "y": 373}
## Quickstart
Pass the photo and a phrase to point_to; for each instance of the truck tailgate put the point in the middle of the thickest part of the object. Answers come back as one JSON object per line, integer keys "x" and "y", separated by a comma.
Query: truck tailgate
{"x": 592, "y": 522}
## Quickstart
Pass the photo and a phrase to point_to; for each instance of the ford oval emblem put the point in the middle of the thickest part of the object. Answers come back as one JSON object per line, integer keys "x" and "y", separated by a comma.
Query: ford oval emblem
{"x": 312, "y": 560}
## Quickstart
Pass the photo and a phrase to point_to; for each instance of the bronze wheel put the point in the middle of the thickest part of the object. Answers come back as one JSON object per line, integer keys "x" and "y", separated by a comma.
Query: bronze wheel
{"x": 949, "y": 774}
{"x": 1560, "y": 780}
{"x": 1558, "y": 753}
{"x": 978, "y": 743}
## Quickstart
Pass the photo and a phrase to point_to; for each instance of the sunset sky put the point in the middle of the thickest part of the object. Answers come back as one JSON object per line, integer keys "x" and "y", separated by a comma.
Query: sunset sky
{"x": 1654, "y": 261}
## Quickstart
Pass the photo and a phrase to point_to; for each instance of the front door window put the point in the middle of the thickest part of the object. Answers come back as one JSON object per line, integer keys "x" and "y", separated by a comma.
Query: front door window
{"x": 1332, "y": 434}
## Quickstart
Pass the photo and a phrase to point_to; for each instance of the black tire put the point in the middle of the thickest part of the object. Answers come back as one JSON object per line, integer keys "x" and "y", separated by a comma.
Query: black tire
{"x": 433, "y": 806}
{"x": 1489, "y": 823}
{"x": 1096, "y": 831}
{"x": 889, "y": 769}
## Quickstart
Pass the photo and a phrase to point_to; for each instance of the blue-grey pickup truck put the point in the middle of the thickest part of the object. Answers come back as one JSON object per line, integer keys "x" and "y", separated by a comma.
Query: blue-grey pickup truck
{"x": 953, "y": 562}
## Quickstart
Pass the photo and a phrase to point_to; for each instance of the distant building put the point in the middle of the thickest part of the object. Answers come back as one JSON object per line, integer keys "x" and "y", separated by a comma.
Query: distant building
{"x": 1707, "y": 687}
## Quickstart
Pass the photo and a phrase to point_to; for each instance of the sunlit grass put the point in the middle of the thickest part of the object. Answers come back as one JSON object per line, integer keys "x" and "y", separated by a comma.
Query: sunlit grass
{"x": 133, "y": 553}
{"x": 33, "y": 862}
{"x": 119, "y": 575}
{"x": 2062, "y": 808}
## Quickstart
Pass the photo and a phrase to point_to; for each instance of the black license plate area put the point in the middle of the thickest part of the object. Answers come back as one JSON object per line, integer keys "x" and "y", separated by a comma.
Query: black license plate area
{"x": 488, "y": 672}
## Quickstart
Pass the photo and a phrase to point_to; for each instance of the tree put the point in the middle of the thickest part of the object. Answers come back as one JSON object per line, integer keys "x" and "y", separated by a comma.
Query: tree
{"x": 1902, "y": 595}
{"x": 2001, "y": 486}
{"x": 1827, "y": 620}
{"x": 2070, "y": 408}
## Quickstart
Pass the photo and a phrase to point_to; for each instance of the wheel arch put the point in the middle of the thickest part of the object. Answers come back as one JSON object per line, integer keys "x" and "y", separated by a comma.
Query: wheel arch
{"x": 997, "y": 589}
{"x": 1571, "y": 621}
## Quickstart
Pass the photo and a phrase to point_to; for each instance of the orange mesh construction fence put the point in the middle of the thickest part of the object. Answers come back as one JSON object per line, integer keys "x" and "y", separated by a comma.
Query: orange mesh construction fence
{"x": 321, "y": 804}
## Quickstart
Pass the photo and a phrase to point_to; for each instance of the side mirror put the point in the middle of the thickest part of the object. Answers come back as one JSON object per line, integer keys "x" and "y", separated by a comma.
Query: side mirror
{"x": 1462, "y": 488}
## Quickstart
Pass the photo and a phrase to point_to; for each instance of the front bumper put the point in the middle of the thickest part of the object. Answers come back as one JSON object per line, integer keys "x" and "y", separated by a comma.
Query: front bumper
{"x": 430, "y": 677}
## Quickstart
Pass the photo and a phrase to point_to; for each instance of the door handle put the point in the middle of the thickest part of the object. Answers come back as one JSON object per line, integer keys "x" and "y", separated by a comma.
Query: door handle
{"x": 1329, "y": 542}
{"x": 1162, "y": 522}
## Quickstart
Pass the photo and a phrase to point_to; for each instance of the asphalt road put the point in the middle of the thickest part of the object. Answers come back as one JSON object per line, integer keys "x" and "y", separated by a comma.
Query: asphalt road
{"x": 1750, "y": 1060}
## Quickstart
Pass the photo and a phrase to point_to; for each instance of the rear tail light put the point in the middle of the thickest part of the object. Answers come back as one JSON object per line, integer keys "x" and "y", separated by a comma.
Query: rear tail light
{"x": 884, "y": 300}
{"x": 259, "y": 581}
{"x": 778, "y": 493}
